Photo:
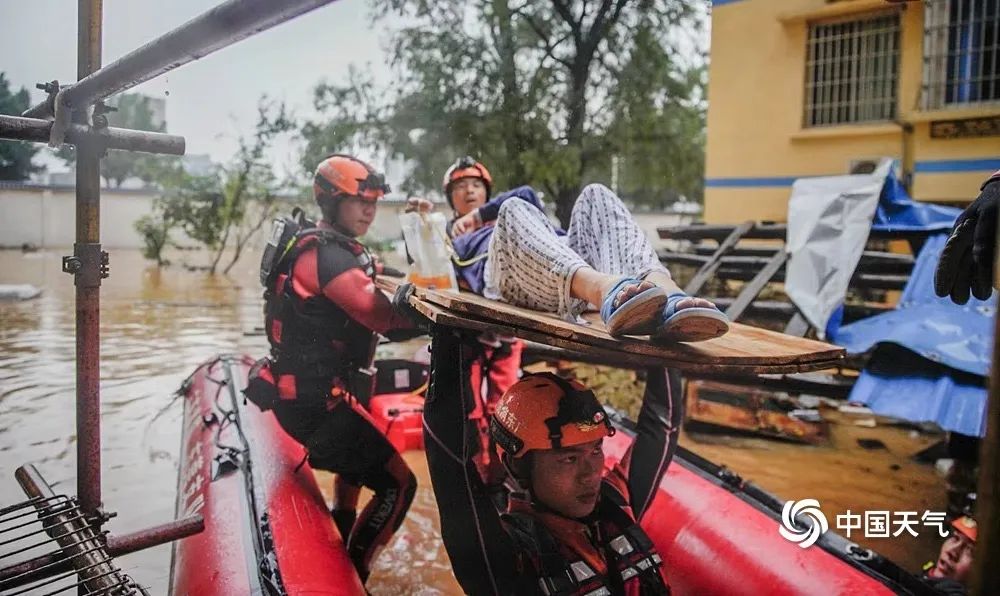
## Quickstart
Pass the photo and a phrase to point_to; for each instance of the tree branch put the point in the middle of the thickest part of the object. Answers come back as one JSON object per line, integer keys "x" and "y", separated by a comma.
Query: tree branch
{"x": 575, "y": 27}
{"x": 550, "y": 48}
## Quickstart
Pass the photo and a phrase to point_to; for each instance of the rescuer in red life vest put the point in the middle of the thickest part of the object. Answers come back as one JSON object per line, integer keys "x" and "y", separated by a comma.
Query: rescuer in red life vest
{"x": 574, "y": 528}
{"x": 323, "y": 312}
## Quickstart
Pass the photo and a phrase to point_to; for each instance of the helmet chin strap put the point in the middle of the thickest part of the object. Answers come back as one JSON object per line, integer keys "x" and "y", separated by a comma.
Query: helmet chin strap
{"x": 328, "y": 207}
{"x": 517, "y": 474}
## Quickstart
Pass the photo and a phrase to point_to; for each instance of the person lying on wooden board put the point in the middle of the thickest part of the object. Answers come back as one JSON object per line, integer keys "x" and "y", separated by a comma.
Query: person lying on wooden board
{"x": 507, "y": 249}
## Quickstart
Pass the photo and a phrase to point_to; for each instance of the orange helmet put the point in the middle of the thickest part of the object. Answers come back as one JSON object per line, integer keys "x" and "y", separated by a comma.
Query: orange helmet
{"x": 343, "y": 175}
{"x": 966, "y": 526}
{"x": 544, "y": 411}
{"x": 466, "y": 167}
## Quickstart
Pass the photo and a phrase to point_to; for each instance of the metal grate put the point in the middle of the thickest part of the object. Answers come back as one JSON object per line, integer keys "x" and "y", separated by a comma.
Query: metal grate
{"x": 48, "y": 547}
{"x": 851, "y": 70}
{"x": 961, "y": 52}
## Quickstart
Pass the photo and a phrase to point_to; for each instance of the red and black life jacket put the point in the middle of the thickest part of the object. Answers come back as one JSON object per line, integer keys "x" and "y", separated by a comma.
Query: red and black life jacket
{"x": 311, "y": 337}
{"x": 633, "y": 565}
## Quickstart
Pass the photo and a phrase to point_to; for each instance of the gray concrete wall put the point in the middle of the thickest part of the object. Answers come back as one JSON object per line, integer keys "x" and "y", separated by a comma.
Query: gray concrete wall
{"x": 46, "y": 217}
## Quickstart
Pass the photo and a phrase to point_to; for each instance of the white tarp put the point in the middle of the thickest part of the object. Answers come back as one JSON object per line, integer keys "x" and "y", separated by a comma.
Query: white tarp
{"x": 828, "y": 223}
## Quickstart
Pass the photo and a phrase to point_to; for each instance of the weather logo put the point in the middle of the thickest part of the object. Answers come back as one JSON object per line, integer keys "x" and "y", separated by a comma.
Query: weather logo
{"x": 792, "y": 527}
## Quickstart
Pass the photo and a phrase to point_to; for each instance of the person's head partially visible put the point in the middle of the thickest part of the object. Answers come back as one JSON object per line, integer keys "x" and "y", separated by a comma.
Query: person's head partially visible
{"x": 955, "y": 558}
{"x": 347, "y": 191}
{"x": 467, "y": 185}
{"x": 552, "y": 432}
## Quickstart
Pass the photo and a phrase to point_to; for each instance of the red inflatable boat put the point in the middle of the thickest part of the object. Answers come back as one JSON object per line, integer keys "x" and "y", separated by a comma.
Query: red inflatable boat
{"x": 268, "y": 530}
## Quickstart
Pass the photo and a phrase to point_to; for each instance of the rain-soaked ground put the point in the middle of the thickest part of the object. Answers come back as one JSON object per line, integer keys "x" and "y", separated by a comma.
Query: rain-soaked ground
{"x": 157, "y": 325}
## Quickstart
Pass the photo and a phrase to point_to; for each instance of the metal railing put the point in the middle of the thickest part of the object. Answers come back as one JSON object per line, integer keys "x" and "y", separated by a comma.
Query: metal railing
{"x": 50, "y": 547}
{"x": 852, "y": 70}
{"x": 961, "y": 53}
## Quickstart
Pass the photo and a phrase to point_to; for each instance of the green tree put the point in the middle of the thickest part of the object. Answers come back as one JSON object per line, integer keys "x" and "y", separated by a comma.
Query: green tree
{"x": 225, "y": 209}
{"x": 532, "y": 88}
{"x": 155, "y": 232}
{"x": 133, "y": 111}
{"x": 15, "y": 156}
{"x": 659, "y": 123}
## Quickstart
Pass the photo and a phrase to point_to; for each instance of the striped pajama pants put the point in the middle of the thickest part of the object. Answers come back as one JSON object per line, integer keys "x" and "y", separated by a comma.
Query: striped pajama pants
{"x": 529, "y": 265}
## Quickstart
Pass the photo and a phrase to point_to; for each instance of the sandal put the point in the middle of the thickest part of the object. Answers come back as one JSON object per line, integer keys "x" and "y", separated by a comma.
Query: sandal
{"x": 697, "y": 323}
{"x": 636, "y": 316}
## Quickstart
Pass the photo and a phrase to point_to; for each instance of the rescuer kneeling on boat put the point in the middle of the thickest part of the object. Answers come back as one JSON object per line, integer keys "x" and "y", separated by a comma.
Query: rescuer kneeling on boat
{"x": 322, "y": 316}
{"x": 572, "y": 529}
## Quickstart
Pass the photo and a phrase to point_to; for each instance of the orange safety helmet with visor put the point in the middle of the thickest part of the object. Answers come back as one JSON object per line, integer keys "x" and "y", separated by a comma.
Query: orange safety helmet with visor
{"x": 340, "y": 175}
{"x": 545, "y": 411}
{"x": 966, "y": 526}
{"x": 466, "y": 167}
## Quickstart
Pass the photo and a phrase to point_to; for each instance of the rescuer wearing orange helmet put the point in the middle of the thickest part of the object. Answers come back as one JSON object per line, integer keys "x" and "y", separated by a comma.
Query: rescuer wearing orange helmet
{"x": 507, "y": 249}
{"x": 323, "y": 312}
{"x": 950, "y": 572}
{"x": 571, "y": 526}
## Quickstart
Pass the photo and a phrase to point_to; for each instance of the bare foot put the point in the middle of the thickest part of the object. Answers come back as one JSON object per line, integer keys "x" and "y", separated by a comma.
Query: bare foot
{"x": 695, "y": 302}
{"x": 627, "y": 291}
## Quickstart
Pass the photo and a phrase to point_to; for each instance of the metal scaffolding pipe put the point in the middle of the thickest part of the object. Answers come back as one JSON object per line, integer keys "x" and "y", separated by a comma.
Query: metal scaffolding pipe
{"x": 17, "y": 128}
{"x": 47, "y": 565}
{"x": 221, "y": 26}
{"x": 87, "y": 251}
{"x": 156, "y": 535}
{"x": 74, "y": 535}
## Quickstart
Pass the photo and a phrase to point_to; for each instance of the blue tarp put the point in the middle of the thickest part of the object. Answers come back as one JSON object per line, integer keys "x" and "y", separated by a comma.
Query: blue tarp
{"x": 957, "y": 336}
{"x": 896, "y": 211}
{"x": 931, "y": 356}
{"x": 942, "y": 377}
{"x": 901, "y": 384}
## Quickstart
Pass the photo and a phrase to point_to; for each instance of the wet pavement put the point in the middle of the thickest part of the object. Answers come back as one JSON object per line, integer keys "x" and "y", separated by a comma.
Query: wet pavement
{"x": 158, "y": 325}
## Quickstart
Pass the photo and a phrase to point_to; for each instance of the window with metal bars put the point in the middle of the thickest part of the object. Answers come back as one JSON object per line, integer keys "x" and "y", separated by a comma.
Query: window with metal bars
{"x": 852, "y": 70}
{"x": 961, "y": 52}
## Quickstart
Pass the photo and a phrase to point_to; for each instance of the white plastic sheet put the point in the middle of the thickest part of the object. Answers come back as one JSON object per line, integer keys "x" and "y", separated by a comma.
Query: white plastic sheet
{"x": 828, "y": 223}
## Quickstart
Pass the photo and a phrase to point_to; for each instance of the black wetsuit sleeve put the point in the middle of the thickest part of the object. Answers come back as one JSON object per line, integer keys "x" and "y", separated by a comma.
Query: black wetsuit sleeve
{"x": 482, "y": 554}
{"x": 656, "y": 438}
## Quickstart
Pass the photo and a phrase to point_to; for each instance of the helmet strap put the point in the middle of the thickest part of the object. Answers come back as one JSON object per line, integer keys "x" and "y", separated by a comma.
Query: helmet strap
{"x": 568, "y": 411}
{"x": 328, "y": 206}
{"x": 518, "y": 470}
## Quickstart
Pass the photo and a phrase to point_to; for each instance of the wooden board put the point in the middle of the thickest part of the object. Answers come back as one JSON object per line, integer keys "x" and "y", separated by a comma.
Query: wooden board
{"x": 744, "y": 349}
{"x": 596, "y": 355}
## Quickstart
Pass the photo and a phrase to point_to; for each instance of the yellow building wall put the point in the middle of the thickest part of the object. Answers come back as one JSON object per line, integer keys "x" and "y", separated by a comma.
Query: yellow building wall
{"x": 756, "y": 143}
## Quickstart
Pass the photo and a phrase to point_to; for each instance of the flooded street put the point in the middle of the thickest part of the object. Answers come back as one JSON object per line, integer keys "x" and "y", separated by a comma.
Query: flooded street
{"x": 158, "y": 325}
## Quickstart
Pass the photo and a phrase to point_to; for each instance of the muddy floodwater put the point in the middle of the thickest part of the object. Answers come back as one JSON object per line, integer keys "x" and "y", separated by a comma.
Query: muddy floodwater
{"x": 157, "y": 325}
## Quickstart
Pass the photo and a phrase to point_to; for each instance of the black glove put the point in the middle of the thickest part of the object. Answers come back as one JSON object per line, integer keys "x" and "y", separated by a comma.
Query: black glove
{"x": 391, "y": 272}
{"x": 967, "y": 259}
{"x": 401, "y": 304}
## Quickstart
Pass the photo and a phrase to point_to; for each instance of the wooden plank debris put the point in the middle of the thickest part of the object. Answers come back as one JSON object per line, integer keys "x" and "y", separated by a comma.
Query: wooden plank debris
{"x": 708, "y": 270}
{"x": 770, "y": 231}
{"x": 751, "y": 290}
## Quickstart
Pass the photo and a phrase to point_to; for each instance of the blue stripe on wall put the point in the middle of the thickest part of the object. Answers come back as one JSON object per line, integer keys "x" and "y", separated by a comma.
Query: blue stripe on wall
{"x": 941, "y": 166}
{"x": 749, "y": 182}
{"x": 723, "y": 2}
